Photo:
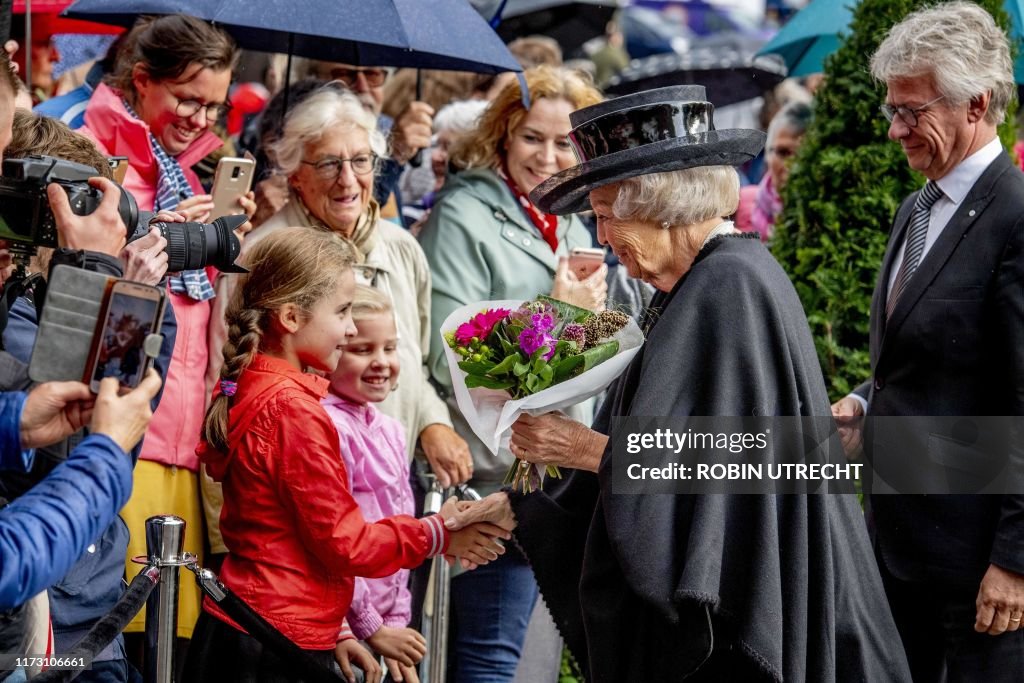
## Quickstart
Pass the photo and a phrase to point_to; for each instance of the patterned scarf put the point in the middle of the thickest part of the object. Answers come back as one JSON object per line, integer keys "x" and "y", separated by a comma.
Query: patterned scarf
{"x": 546, "y": 223}
{"x": 171, "y": 188}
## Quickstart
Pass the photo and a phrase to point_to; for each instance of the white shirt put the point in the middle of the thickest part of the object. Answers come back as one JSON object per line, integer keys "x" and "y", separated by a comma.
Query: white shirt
{"x": 954, "y": 185}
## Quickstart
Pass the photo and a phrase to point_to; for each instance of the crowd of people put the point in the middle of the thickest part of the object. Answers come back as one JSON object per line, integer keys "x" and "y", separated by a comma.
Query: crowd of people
{"x": 297, "y": 411}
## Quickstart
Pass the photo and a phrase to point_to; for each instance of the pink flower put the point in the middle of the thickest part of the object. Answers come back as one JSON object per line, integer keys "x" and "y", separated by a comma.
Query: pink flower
{"x": 480, "y": 325}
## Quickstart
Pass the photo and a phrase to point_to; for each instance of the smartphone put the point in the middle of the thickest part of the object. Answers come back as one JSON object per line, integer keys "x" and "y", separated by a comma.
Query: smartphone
{"x": 119, "y": 166}
{"x": 584, "y": 261}
{"x": 131, "y": 313}
{"x": 232, "y": 179}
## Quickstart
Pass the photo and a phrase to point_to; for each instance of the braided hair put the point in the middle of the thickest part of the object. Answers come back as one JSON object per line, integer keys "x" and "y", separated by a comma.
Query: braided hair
{"x": 290, "y": 266}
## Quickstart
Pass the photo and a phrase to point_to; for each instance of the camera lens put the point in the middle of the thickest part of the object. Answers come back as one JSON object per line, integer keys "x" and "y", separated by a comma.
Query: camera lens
{"x": 191, "y": 246}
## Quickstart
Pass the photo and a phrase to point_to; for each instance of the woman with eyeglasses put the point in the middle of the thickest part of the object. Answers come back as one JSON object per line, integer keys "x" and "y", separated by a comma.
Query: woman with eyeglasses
{"x": 169, "y": 86}
{"x": 760, "y": 204}
{"x": 329, "y": 151}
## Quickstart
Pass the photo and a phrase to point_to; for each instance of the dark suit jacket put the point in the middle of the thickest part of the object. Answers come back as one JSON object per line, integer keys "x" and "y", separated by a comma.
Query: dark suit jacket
{"x": 953, "y": 346}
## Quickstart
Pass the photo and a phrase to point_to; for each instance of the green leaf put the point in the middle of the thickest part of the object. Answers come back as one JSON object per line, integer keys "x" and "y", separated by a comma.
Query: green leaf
{"x": 567, "y": 312}
{"x": 537, "y": 359}
{"x": 566, "y": 368}
{"x": 480, "y": 368}
{"x": 520, "y": 369}
{"x": 598, "y": 354}
{"x": 506, "y": 366}
{"x": 474, "y": 381}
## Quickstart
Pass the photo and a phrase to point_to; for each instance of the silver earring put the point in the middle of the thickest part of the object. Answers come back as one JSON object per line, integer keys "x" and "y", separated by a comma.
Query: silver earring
{"x": 666, "y": 225}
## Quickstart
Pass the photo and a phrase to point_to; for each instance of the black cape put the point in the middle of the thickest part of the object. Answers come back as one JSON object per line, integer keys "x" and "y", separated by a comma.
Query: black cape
{"x": 714, "y": 587}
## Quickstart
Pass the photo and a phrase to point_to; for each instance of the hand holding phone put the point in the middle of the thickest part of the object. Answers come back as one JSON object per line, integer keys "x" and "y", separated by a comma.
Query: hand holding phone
{"x": 584, "y": 261}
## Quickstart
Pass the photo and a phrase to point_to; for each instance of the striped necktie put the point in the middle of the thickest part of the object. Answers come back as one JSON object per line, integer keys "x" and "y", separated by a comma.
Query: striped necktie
{"x": 914, "y": 248}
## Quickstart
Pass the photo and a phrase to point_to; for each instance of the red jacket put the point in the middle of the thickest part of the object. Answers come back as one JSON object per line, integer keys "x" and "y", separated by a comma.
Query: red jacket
{"x": 295, "y": 533}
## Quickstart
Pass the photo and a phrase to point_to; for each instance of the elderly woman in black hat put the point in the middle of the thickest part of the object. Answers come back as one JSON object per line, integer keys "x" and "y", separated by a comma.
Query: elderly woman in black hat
{"x": 724, "y": 587}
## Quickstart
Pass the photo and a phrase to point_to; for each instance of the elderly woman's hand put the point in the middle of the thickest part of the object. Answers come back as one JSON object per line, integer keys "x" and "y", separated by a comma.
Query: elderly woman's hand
{"x": 555, "y": 439}
{"x": 494, "y": 508}
{"x": 590, "y": 292}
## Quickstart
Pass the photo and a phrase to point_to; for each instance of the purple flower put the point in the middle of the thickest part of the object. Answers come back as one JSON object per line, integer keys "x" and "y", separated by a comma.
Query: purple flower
{"x": 530, "y": 340}
{"x": 574, "y": 332}
{"x": 542, "y": 322}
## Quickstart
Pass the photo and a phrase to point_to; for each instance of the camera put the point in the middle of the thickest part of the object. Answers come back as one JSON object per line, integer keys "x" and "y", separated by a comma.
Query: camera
{"x": 26, "y": 217}
{"x": 25, "y": 214}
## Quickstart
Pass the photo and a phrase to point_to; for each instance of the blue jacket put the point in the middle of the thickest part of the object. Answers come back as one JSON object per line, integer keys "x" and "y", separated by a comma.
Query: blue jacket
{"x": 45, "y": 531}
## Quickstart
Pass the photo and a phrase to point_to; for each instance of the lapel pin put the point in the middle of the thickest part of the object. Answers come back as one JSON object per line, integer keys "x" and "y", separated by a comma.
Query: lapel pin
{"x": 971, "y": 212}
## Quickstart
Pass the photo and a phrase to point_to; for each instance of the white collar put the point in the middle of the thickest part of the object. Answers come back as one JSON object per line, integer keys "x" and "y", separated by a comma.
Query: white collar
{"x": 958, "y": 182}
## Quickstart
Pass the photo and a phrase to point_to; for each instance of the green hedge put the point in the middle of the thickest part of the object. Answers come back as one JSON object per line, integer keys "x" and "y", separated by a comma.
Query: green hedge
{"x": 847, "y": 181}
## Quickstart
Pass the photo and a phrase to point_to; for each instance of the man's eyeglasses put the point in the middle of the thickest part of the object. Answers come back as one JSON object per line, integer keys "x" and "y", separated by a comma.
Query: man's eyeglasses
{"x": 329, "y": 168}
{"x": 188, "y": 108}
{"x": 907, "y": 114}
{"x": 350, "y": 77}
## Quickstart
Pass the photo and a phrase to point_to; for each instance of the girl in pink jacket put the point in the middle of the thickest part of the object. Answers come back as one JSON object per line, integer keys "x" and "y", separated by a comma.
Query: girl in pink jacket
{"x": 373, "y": 447}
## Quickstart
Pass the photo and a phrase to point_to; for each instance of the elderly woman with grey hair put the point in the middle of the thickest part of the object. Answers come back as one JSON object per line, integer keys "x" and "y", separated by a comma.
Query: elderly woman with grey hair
{"x": 728, "y": 587}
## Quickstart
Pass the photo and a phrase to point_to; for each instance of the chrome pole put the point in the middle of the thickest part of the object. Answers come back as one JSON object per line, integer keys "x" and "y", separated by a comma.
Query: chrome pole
{"x": 165, "y": 539}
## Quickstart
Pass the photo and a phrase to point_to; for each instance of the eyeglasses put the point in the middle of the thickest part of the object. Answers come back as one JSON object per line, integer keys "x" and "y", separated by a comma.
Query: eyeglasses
{"x": 188, "y": 108}
{"x": 350, "y": 77}
{"x": 329, "y": 168}
{"x": 907, "y": 114}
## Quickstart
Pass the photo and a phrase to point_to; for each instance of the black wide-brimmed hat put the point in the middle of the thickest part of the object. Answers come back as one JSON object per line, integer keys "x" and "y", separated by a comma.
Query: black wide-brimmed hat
{"x": 667, "y": 129}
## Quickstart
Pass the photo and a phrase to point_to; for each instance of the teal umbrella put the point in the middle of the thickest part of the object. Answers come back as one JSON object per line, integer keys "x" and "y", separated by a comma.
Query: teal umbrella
{"x": 816, "y": 31}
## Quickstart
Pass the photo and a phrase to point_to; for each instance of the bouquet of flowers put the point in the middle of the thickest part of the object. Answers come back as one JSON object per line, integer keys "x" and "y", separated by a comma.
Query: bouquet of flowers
{"x": 509, "y": 357}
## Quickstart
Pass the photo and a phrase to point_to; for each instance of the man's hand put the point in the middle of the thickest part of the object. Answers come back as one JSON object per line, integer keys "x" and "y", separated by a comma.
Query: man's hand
{"x": 849, "y": 416}
{"x": 411, "y": 131}
{"x": 124, "y": 418}
{"x": 404, "y": 645}
{"x": 54, "y": 411}
{"x": 448, "y": 454}
{"x": 349, "y": 652}
{"x": 145, "y": 259}
{"x": 1000, "y": 601}
{"x": 102, "y": 231}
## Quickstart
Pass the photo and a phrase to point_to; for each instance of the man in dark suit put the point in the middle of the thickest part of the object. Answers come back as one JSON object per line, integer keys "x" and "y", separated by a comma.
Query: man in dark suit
{"x": 947, "y": 339}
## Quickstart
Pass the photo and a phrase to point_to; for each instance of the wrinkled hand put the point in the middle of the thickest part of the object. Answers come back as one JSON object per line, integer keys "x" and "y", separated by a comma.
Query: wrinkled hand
{"x": 400, "y": 673}
{"x": 54, "y": 411}
{"x": 404, "y": 645}
{"x": 124, "y": 418}
{"x": 196, "y": 208}
{"x": 849, "y": 416}
{"x": 495, "y": 509}
{"x": 448, "y": 454}
{"x": 411, "y": 131}
{"x": 556, "y": 439}
{"x": 591, "y": 292}
{"x": 1000, "y": 601}
{"x": 349, "y": 652}
{"x": 145, "y": 259}
{"x": 101, "y": 231}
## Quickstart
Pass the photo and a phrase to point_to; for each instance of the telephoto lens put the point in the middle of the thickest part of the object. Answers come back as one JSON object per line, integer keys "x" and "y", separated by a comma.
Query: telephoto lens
{"x": 191, "y": 246}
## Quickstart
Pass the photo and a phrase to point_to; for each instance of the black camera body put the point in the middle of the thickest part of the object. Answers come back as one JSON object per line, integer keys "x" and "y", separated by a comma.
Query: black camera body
{"x": 25, "y": 215}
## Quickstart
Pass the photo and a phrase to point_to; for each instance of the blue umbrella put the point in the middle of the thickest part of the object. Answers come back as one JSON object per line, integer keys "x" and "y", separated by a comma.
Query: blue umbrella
{"x": 815, "y": 32}
{"x": 426, "y": 34}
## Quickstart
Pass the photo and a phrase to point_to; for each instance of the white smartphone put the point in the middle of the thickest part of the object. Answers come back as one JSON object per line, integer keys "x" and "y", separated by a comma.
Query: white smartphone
{"x": 132, "y": 312}
{"x": 584, "y": 261}
{"x": 232, "y": 180}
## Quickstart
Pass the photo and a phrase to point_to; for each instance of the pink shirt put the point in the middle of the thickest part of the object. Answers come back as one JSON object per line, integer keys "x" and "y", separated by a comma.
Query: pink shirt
{"x": 373, "y": 448}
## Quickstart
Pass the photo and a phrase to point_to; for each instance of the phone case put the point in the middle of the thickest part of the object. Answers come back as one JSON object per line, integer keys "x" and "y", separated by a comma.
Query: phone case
{"x": 74, "y": 298}
{"x": 151, "y": 343}
{"x": 229, "y": 184}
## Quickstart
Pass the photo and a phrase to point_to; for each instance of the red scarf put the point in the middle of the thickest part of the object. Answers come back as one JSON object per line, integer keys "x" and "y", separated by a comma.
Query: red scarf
{"x": 546, "y": 223}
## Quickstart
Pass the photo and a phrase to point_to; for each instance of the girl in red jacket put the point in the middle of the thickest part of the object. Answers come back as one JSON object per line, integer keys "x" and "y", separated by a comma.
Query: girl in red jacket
{"x": 295, "y": 535}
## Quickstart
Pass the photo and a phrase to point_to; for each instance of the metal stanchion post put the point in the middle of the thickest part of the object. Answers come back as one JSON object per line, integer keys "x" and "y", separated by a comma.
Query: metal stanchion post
{"x": 165, "y": 539}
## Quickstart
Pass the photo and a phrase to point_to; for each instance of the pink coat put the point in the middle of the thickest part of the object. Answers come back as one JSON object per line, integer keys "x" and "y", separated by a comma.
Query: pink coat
{"x": 174, "y": 431}
{"x": 373, "y": 448}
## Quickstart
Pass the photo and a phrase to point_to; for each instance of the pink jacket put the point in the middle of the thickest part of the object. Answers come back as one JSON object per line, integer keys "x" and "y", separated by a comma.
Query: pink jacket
{"x": 174, "y": 431}
{"x": 373, "y": 448}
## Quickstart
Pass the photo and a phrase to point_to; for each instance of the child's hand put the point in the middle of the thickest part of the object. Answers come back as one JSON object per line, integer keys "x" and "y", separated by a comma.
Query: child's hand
{"x": 349, "y": 652}
{"x": 400, "y": 673}
{"x": 405, "y": 645}
{"x": 478, "y": 543}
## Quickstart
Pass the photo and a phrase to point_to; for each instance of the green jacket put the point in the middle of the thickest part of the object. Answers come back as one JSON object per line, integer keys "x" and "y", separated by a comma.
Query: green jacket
{"x": 481, "y": 246}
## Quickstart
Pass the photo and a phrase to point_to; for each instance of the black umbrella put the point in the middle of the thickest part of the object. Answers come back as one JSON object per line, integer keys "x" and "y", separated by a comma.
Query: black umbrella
{"x": 571, "y": 23}
{"x": 426, "y": 34}
{"x": 729, "y": 75}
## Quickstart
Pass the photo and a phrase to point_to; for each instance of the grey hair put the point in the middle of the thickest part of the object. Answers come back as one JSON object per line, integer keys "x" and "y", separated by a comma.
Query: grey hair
{"x": 794, "y": 117}
{"x": 326, "y": 109}
{"x": 459, "y": 116}
{"x": 679, "y": 198}
{"x": 958, "y": 43}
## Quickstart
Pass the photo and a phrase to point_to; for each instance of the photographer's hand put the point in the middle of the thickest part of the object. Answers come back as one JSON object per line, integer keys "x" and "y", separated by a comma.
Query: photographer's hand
{"x": 101, "y": 231}
{"x": 145, "y": 259}
{"x": 124, "y": 418}
{"x": 54, "y": 411}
